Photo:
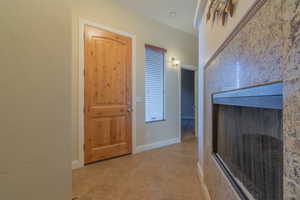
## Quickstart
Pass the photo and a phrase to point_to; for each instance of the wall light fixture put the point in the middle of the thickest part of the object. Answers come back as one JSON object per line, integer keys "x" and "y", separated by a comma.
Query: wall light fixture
{"x": 175, "y": 62}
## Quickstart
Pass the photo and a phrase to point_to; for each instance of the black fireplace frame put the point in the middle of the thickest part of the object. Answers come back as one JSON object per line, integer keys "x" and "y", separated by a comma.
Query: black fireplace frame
{"x": 251, "y": 97}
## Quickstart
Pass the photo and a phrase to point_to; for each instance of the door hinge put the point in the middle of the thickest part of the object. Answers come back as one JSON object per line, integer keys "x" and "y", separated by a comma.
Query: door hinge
{"x": 84, "y": 72}
{"x": 83, "y": 147}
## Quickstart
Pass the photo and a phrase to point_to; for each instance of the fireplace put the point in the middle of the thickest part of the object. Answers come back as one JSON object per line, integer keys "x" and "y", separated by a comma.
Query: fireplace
{"x": 248, "y": 140}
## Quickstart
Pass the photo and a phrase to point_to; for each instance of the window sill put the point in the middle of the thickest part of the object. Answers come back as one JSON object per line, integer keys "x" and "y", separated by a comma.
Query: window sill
{"x": 155, "y": 121}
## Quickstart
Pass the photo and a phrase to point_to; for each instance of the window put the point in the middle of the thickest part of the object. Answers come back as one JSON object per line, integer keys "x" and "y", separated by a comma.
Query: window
{"x": 154, "y": 83}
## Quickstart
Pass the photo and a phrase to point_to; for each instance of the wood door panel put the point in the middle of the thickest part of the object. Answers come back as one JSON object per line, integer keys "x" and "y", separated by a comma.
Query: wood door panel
{"x": 118, "y": 125}
{"x": 101, "y": 129}
{"x": 107, "y": 94}
{"x": 108, "y": 111}
{"x": 110, "y": 72}
{"x": 108, "y": 131}
{"x": 110, "y": 151}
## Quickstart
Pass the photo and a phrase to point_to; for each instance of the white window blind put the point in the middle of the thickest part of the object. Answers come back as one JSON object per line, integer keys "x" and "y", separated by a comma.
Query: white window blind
{"x": 154, "y": 83}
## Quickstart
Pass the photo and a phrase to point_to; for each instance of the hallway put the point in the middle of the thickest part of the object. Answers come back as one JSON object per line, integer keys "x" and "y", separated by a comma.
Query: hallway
{"x": 168, "y": 173}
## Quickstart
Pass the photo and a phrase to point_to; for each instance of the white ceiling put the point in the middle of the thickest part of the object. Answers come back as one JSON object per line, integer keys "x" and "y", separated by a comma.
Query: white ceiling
{"x": 159, "y": 10}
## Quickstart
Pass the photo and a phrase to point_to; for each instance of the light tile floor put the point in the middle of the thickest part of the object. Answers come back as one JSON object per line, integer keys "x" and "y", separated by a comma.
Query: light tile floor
{"x": 168, "y": 173}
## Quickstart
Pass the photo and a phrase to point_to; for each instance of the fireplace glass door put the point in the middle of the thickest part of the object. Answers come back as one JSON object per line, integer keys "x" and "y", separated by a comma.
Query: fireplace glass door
{"x": 248, "y": 140}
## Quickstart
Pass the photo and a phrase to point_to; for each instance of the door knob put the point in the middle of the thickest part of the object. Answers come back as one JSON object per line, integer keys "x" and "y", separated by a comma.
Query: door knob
{"x": 129, "y": 109}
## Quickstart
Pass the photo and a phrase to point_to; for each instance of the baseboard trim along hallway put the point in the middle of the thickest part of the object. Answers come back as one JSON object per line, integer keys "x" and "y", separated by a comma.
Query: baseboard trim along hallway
{"x": 203, "y": 185}
{"x": 157, "y": 145}
{"x": 78, "y": 164}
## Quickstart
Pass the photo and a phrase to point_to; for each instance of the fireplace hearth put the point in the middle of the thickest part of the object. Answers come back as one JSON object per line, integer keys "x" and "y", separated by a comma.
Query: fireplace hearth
{"x": 248, "y": 140}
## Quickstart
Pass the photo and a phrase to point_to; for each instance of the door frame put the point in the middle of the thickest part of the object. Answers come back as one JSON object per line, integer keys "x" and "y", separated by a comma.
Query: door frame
{"x": 81, "y": 132}
{"x": 194, "y": 69}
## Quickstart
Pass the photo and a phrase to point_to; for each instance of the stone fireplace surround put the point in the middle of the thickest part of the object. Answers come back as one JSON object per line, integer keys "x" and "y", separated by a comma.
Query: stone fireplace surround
{"x": 264, "y": 48}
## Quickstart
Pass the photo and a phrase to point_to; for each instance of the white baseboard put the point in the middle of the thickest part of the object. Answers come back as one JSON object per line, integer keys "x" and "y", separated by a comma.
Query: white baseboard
{"x": 77, "y": 164}
{"x": 200, "y": 171}
{"x": 203, "y": 185}
{"x": 157, "y": 145}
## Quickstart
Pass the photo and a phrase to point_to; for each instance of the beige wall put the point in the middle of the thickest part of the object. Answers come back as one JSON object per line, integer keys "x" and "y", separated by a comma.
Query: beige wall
{"x": 35, "y": 60}
{"x": 211, "y": 36}
{"x": 181, "y": 45}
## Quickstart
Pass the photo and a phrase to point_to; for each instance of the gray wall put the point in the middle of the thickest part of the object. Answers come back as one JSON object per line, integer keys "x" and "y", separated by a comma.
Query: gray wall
{"x": 35, "y": 57}
{"x": 265, "y": 50}
{"x": 211, "y": 36}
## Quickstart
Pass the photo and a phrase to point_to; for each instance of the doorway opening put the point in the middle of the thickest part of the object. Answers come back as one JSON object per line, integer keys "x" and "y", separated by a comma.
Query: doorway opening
{"x": 188, "y": 104}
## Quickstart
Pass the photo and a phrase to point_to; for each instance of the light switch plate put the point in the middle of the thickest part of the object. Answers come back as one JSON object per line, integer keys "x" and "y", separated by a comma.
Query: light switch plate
{"x": 139, "y": 99}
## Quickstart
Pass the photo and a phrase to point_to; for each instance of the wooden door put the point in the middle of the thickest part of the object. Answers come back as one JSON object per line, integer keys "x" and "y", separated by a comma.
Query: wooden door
{"x": 107, "y": 95}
